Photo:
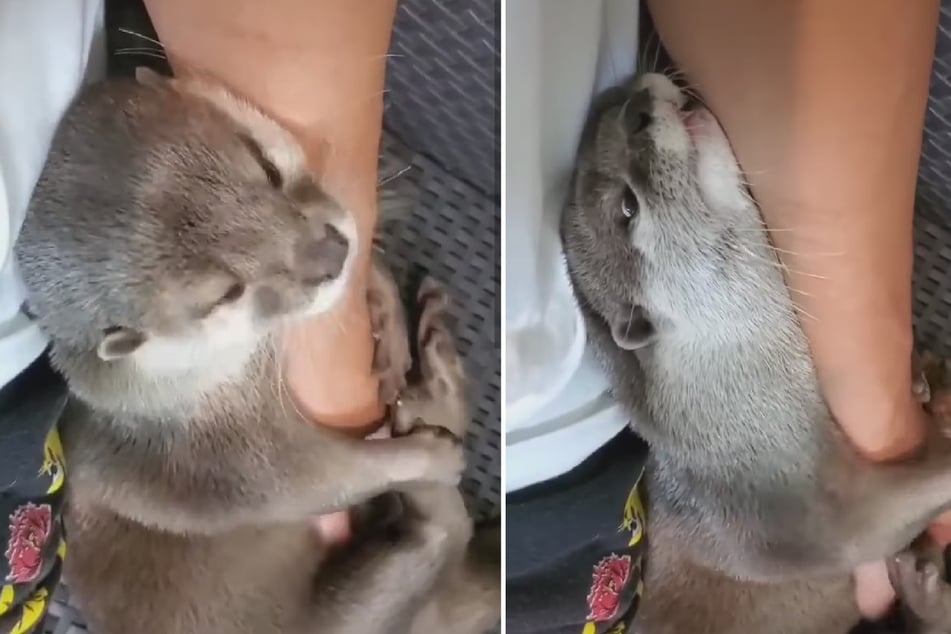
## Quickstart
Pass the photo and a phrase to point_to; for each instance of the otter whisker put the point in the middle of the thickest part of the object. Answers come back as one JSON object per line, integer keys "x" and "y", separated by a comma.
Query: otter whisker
{"x": 139, "y": 49}
{"x": 657, "y": 48}
{"x": 781, "y": 265}
{"x": 393, "y": 177}
{"x": 642, "y": 56}
{"x": 281, "y": 385}
{"x": 800, "y": 310}
{"x": 151, "y": 54}
{"x": 630, "y": 320}
{"x": 139, "y": 35}
{"x": 811, "y": 254}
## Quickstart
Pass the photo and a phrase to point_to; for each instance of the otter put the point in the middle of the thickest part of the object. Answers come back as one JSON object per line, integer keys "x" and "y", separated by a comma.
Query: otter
{"x": 758, "y": 506}
{"x": 173, "y": 234}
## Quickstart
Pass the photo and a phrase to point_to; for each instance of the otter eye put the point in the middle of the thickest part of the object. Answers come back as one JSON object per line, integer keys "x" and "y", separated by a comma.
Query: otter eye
{"x": 270, "y": 170}
{"x": 233, "y": 294}
{"x": 629, "y": 205}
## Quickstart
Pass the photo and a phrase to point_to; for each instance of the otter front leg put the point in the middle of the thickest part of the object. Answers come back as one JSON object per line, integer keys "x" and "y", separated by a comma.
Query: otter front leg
{"x": 396, "y": 565}
{"x": 468, "y": 597}
{"x": 270, "y": 475}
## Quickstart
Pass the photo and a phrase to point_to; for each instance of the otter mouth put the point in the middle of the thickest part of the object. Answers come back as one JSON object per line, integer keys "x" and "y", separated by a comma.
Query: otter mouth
{"x": 694, "y": 116}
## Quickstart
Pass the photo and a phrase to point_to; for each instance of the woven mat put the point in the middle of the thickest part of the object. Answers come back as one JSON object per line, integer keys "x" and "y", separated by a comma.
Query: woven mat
{"x": 443, "y": 80}
{"x": 932, "y": 282}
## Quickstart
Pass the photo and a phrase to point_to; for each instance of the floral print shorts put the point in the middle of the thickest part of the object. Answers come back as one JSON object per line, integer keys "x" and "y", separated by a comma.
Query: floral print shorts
{"x": 32, "y": 478}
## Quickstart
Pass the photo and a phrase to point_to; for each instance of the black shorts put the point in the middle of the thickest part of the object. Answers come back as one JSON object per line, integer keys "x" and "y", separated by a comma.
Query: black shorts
{"x": 32, "y": 478}
{"x": 574, "y": 546}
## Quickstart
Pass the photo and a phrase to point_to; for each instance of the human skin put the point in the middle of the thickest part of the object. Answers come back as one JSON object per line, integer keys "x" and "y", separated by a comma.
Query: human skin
{"x": 318, "y": 67}
{"x": 824, "y": 105}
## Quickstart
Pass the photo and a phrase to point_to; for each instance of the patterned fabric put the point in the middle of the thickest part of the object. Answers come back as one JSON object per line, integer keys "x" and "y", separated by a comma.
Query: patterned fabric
{"x": 575, "y": 546}
{"x": 32, "y": 478}
{"x": 617, "y": 581}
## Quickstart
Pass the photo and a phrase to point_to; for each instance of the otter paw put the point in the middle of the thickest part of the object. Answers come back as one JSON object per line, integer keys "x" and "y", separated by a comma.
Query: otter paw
{"x": 920, "y": 387}
{"x": 391, "y": 355}
{"x": 445, "y": 456}
{"x": 383, "y": 516}
{"x": 439, "y": 398}
{"x": 932, "y": 387}
{"x": 919, "y": 586}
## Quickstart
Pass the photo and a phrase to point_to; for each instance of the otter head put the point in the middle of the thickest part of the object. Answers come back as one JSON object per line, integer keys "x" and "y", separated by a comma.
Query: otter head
{"x": 659, "y": 231}
{"x": 174, "y": 226}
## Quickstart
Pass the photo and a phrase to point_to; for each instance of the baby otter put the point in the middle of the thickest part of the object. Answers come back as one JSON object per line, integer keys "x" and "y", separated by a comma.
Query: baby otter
{"x": 173, "y": 233}
{"x": 759, "y": 508}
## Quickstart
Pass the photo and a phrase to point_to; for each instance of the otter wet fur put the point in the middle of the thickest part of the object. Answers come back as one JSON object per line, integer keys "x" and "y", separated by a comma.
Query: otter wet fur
{"x": 173, "y": 233}
{"x": 758, "y": 506}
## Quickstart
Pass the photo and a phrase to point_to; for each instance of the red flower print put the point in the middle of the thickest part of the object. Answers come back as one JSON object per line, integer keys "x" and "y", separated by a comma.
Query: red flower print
{"x": 608, "y": 581}
{"x": 29, "y": 529}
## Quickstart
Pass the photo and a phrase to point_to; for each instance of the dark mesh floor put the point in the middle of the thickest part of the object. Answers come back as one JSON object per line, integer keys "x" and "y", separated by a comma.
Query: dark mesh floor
{"x": 932, "y": 287}
{"x": 443, "y": 80}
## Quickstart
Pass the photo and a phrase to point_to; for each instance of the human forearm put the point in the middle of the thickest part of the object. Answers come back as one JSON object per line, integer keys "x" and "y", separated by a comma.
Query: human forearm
{"x": 824, "y": 103}
{"x": 318, "y": 67}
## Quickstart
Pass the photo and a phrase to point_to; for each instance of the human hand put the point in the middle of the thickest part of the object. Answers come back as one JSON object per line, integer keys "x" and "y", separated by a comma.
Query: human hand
{"x": 874, "y": 592}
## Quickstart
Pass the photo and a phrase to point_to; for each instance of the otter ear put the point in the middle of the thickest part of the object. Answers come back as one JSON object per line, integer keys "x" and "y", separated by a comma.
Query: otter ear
{"x": 119, "y": 342}
{"x": 634, "y": 332}
{"x": 148, "y": 77}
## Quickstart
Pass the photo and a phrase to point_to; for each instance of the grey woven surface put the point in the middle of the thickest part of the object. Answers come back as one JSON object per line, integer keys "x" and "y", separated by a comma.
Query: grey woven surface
{"x": 932, "y": 287}
{"x": 443, "y": 82}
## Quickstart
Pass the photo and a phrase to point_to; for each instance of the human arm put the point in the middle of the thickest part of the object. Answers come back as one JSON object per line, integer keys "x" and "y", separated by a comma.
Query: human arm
{"x": 824, "y": 105}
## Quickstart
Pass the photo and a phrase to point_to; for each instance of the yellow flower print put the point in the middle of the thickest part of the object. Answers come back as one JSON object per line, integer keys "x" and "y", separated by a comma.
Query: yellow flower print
{"x": 33, "y": 610}
{"x": 591, "y": 628}
{"x": 634, "y": 516}
{"x": 54, "y": 464}
{"x": 6, "y": 599}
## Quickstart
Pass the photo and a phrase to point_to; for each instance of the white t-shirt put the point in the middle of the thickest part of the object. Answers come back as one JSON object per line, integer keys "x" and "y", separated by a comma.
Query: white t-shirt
{"x": 47, "y": 49}
{"x": 559, "y": 54}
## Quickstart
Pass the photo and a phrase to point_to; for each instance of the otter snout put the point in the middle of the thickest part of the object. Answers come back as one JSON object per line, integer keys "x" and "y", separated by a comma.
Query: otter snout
{"x": 322, "y": 258}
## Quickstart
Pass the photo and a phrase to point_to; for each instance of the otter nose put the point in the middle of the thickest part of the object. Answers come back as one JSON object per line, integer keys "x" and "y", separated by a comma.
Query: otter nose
{"x": 322, "y": 259}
